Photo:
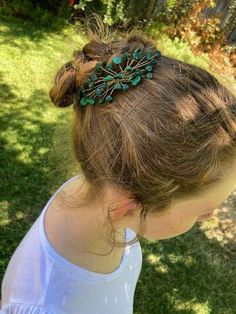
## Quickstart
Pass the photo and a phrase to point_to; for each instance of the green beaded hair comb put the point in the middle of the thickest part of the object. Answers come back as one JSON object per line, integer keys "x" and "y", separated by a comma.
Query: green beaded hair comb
{"x": 105, "y": 79}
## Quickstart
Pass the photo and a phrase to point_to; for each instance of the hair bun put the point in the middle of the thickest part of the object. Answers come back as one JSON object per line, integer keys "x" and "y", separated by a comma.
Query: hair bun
{"x": 61, "y": 94}
{"x": 72, "y": 75}
{"x": 69, "y": 79}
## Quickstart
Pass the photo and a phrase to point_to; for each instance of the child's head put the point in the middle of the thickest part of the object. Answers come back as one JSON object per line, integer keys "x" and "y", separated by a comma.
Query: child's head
{"x": 169, "y": 139}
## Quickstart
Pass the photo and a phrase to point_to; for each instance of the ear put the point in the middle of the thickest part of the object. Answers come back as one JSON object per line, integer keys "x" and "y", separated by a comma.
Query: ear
{"x": 123, "y": 208}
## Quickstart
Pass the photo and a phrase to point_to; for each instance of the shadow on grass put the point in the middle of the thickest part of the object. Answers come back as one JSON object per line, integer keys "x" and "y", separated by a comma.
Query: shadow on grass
{"x": 15, "y": 28}
{"x": 189, "y": 274}
{"x": 25, "y": 172}
{"x": 7, "y": 96}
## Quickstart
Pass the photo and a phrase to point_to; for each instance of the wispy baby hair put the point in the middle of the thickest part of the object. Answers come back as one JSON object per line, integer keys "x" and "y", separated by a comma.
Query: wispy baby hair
{"x": 167, "y": 138}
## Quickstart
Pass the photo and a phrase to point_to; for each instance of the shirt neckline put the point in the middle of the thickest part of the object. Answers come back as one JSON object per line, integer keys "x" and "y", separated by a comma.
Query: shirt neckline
{"x": 68, "y": 266}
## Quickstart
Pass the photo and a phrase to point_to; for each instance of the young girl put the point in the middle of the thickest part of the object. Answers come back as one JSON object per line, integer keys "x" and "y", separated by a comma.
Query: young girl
{"x": 155, "y": 140}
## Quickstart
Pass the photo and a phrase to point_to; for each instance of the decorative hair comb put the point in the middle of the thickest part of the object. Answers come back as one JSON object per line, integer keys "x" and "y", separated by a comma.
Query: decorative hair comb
{"x": 105, "y": 79}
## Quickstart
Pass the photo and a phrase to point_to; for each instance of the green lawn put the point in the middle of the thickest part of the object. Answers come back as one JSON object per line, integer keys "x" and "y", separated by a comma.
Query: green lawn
{"x": 190, "y": 274}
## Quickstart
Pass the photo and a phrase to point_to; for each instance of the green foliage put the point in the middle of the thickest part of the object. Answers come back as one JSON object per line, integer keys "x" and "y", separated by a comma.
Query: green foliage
{"x": 171, "y": 4}
{"x": 49, "y": 13}
{"x": 114, "y": 11}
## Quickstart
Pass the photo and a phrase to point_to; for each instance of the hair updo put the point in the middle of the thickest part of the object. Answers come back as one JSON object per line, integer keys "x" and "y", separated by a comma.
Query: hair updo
{"x": 73, "y": 74}
{"x": 168, "y": 138}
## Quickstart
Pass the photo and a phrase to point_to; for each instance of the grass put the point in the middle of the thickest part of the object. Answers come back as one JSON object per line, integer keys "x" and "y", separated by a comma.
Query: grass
{"x": 190, "y": 274}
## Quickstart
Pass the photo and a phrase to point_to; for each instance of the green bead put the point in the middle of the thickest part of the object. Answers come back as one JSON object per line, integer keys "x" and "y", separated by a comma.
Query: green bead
{"x": 98, "y": 90}
{"x": 125, "y": 87}
{"x": 148, "y": 55}
{"x": 117, "y": 86}
{"x": 154, "y": 61}
{"x": 126, "y": 55}
{"x": 109, "y": 66}
{"x": 137, "y": 54}
{"x": 94, "y": 77}
{"x": 99, "y": 67}
{"x": 128, "y": 68}
{"x": 109, "y": 99}
{"x": 119, "y": 75}
{"x": 91, "y": 85}
{"x": 108, "y": 78}
{"x": 148, "y": 68}
{"x": 104, "y": 85}
{"x": 83, "y": 101}
{"x": 117, "y": 60}
{"x": 88, "y": 81}
{"x": 138, "y": 72}
{"x": 101, "y": 101}
{"x": 137, "y": 50}
{"x": 157, "y": 53}
{"x": 149, "y": 76}
{"x": 90, "y": 101}
{"x": 136, "y": 80}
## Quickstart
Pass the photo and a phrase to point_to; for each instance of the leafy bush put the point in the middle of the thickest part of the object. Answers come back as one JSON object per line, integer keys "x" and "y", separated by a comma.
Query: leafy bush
{"x": 50, "y": 13}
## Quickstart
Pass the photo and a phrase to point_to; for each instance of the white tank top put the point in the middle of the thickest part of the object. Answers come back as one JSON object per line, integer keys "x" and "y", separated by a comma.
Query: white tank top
{"x": 40, "y": 280}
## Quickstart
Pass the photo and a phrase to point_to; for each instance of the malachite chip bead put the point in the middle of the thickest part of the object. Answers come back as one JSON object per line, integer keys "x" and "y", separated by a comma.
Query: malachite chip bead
{"x": 137, "y": 54}
{"x": 117, "y": 60}
{"x": 108, "y": 78}
{"x": 137, "y": 50}
{"x": 109, "y": 98}
{"x": 117, "y": 86}
{"x": 119, "y": 75}
{"x": 148, "y": 68}
{"x": 138, "y": 72}
{"x": 90, "y": 101}
{"x": 83, "y": 101}
{"x": 93, "y": 77}
{"x": 126, "y": 55}
{"x": 148, "y": 55}
{"x": 99, "y": 67}
{"x": 98, "y": 90}
{"x": 104, "y": 85}
{"x": 136, "y": 80}
{"x": 125, "y": 87}
{"x": 109, "y": 66}
{"x": 149, "y": 76}
{"x": 128, "y": 68}
{"x": 154, "y": 61}
{"x": 101, "y": 101}
{"x": 157, "y": 53}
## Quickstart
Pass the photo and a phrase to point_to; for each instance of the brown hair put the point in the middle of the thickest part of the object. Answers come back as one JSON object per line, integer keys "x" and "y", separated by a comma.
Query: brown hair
{"x": 168, "y": 138}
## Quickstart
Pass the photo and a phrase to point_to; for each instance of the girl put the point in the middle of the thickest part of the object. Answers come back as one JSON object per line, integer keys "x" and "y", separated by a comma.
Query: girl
{"x": 155, "y": 140}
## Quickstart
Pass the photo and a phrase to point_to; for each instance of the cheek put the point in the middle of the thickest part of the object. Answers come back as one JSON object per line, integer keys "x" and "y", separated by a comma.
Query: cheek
{"x": 168, "y": 226}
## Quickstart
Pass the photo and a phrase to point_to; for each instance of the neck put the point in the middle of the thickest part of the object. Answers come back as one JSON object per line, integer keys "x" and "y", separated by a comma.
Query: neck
{"x": 87, "y": 227}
